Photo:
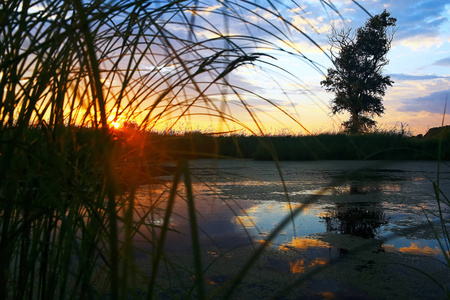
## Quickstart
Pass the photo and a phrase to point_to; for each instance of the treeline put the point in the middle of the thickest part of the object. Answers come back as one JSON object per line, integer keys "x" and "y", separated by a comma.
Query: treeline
{"x": 383, "y": 146}
{"x": 158, "y": 147}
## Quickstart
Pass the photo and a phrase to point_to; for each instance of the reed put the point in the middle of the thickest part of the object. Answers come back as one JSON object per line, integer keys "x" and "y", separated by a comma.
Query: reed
{"x": 438, "y": 220}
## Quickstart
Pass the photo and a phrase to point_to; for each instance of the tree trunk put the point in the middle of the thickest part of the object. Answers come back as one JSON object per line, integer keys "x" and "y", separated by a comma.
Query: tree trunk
{"x": 356, "y": 126}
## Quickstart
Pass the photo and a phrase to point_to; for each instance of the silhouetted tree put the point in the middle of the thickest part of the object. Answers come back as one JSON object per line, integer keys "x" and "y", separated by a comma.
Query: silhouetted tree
{"x": 356, "y": 79}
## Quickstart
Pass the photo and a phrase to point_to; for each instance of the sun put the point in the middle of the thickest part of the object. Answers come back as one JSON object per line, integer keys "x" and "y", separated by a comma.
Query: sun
{"x": 116, "y": 125}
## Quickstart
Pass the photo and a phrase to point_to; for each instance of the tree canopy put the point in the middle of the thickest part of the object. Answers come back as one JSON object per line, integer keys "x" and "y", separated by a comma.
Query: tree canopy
{"x": 356, "y": 78}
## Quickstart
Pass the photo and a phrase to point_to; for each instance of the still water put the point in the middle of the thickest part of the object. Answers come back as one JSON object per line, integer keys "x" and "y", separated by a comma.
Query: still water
{"x": 362, "y": 222}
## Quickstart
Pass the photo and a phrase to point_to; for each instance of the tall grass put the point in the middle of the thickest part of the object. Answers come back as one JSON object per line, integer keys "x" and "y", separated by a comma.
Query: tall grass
{"x": 68, "y": 182}
{"x": 441, "y": 223}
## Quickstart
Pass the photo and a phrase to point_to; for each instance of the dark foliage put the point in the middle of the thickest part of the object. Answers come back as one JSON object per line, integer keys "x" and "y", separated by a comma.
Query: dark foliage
{"x": 373, "y": 146}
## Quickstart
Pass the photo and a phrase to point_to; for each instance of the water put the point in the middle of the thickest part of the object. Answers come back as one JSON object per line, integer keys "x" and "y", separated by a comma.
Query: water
{"x": 358, "y": 218}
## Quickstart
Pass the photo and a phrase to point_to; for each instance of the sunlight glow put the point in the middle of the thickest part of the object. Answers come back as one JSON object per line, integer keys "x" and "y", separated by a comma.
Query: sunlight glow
{"x": 116, "y": 125}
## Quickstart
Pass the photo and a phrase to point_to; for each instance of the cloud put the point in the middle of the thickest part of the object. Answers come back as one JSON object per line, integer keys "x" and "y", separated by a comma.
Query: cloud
{"x": 433, "y": 102}
{"x": 351, "y": 10}
{"x": 205, "y": 11}
{"x": 412, "y": 27}
{"x": 302, "y": 47}
{"x": 424, "y": 19}
{"x": 420, "y": 24}
{"x": 445, "y": 62}
{"x": 308, "y": 24}
{"x": 420, "y": 16}
{"x": 414, "y": 77}
{"x": 422, "y": 41}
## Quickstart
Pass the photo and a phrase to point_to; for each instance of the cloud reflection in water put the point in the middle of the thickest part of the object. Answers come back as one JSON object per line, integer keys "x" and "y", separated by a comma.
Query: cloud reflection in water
{"x": 307, "y": 246}
{"x": 413, "y": 249}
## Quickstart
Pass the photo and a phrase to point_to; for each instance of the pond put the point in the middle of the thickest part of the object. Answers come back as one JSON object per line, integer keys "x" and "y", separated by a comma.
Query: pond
{"x": 353, "y": 229}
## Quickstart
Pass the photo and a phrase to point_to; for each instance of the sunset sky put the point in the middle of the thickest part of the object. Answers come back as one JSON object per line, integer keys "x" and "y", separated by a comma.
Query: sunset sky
{"x": 419, "y": 66}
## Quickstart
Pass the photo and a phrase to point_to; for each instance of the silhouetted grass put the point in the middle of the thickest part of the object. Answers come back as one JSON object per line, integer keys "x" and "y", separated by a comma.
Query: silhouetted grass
{"x": 68, "y": 183}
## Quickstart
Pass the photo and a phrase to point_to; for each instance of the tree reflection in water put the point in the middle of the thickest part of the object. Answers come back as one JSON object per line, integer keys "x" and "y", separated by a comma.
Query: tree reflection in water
{"x": 362, "y": 219}
{"x": 357, "y": 219}
{"x": 365, "y": 188}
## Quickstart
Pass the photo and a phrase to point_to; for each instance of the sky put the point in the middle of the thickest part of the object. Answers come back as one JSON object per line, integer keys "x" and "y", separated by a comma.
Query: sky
{"x": 419, "y": 66}
{"x": 419, "y": 61}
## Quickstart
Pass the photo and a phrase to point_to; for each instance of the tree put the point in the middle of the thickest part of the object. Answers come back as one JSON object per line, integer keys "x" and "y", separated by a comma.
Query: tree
{"x": 356, "y": 79}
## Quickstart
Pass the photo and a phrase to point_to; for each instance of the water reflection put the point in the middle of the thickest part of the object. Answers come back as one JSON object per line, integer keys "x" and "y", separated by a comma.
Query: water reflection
{"x": 304, "y": 244}
{"x": 414, "y": 248}
{"x": 359, "y": 208}
{"x": 235, "y": 213}
{"x": 301, "y": 265}
{"x": 359, "y": 219}
{"x": 352, "y": 188}
{"x": 312, "y": 252}
{"x": 356, "y": 188}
